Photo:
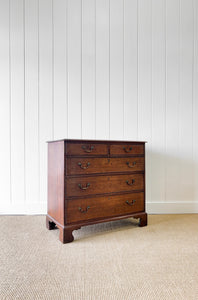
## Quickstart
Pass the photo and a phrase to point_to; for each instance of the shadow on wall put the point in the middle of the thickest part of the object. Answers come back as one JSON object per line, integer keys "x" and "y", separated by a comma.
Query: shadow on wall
{"x": 171, "y": 178}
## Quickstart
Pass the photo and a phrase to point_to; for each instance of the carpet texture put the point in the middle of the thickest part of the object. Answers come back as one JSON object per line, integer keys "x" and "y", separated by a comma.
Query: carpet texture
{"x": 115, "y": 260}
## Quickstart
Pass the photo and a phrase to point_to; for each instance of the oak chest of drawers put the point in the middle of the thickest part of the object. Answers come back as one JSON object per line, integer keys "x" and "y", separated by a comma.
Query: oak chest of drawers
{"x": 94, "y": 181}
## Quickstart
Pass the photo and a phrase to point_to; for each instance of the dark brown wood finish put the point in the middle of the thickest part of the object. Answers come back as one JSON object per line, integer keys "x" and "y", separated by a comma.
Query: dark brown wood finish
{"x": 56, "y": 181}
{"x": 90, "y": 185}
{"x": 89, "y": 165}
{"x": 128, "y": 150}
{"x": 101, "y": 207}
{"x": 86, "y": 149}
{"x": 94, "y": 181}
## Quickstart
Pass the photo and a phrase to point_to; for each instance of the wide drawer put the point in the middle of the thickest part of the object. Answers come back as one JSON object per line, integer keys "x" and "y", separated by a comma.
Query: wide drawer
{"x": 103, "y": 165}
{"x": 128, "y": 149}
{"x": 101, "y": 207}
{"x": 90, "y": 185}
{"x": 86, "y": 149}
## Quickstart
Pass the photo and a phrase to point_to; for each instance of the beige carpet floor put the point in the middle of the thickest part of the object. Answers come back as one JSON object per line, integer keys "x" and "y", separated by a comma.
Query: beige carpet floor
{"x": 116, "y": 260}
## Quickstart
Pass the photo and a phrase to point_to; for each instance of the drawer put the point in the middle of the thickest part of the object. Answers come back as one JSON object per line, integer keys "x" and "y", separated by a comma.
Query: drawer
{"x": 89, "y": 185}
{"x": 102, "y": 165}
{"x": 86, "y": 149}
{"x": 101, "y": 207}
{"x": 128, "y": 149}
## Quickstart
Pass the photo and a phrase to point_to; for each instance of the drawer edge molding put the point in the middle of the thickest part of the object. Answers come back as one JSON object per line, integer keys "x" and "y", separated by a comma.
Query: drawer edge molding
{"x": 104, "y": 194}
{"x": 104, "y": 174}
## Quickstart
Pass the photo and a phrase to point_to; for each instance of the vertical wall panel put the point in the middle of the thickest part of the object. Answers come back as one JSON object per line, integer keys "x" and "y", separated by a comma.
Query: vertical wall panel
{"x": 60, "y": 68}
{"x": 17, "y": 101}
{"x": 116, "y": 69}
{"x": 102, "y": 69}
{"x": 31, "y": 103}
{"x": 145, "y": 84}
{"x": 186, "y": 100}
{"x": 172, "y": 99}
{"x": 158, "y": 100}
{"x": 195, "y": 100}
{"x": 130, "y": 69}
{"x": 4, "y": 103}
{"x": 88, "y": 68}
{"x": 144, "y": 70}
{"x": 74, "y": 68}
{"x": 45, "y": 91}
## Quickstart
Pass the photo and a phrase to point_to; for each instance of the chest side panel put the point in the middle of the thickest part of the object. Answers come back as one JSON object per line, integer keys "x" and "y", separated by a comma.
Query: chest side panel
{"x": 56, "y": 181}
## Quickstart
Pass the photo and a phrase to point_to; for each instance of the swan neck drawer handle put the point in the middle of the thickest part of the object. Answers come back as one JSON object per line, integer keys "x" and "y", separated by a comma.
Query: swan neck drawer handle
{"x": 130, "y": 203}
{"x": 130, "y": 183}
{"x": 88, "y": 148}
{"x": 127, "y": 150}
{"x": 131, "y": 165}
{"x": 84, "y": 187}
{"x": 84, "y": 211}
{"x": 84, "y": 167}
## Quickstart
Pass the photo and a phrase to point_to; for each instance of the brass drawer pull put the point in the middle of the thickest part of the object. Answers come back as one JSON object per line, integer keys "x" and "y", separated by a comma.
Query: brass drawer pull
{"x": 131, "y": 165}
{"x": 88, "y": 148}
{"x": 84, "y": 167}
{"x": 132, "y": 182}
{"x": 127, "y": 150}
{"x": 130, "y": 203}
{"x": 85, "y": 187}
{"x": 84, "y": 211}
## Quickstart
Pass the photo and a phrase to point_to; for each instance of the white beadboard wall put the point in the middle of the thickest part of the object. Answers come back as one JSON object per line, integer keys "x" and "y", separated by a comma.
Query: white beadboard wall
{"x": 99, "y": 69}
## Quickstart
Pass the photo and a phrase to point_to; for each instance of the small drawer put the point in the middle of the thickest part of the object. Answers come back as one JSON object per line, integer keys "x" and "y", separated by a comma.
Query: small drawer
{"x": 90, "y": 185}
{"x": 128, "y": 149}
{"x": 101, "y": 207}
{"x": 92, "y": 165}
{"x": 86, "y": 149}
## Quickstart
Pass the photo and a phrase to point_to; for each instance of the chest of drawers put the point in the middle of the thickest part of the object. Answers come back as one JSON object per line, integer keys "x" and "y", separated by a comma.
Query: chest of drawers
{"x": 94, "y": 181}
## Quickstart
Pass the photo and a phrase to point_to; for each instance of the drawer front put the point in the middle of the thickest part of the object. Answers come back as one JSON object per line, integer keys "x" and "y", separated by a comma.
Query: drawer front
{"x": 86, "y": 149}
{"x": 102, "y": 165}
{"x": 128, "y": 149}
{"x": 82, "y": 186}
{"x": 101, "y": 207}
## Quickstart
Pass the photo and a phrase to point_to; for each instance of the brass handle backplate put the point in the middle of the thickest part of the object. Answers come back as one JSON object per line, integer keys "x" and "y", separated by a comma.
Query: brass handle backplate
{"x": 131, "y": 165}
{"x": 132, "y": 182}
{"x": 130, "y": 203}
{"x": 84, "y": 187}
{"x": 84, "y": 167}
{"x": 87, "y": 148}
{"x": 127, "y": 150}
{"x": 84, "y": 211}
